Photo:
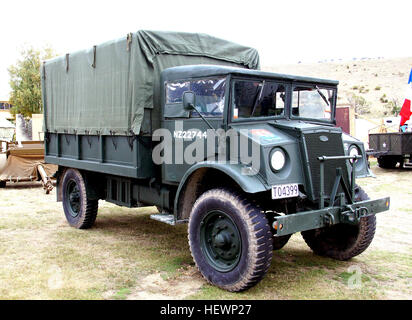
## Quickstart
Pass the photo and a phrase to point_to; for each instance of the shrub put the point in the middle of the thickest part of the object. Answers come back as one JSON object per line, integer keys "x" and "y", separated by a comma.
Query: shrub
{"x": 383, "y": 99}
{"x": 393, "y": 107}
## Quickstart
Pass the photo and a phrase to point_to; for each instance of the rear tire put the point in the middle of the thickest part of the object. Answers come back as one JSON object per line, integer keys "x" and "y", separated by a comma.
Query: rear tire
{"x": 343, "y": 241}
{"x": 387, "y": 162}
{"x": 2, "y": 184}
{"x": 230, "y": 240}
{"x": 80, "y": 211}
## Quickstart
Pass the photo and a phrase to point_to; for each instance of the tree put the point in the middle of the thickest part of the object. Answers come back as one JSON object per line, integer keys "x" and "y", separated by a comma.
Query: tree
{"x": 360, "y": 105}
{"x": 25, "y": 81}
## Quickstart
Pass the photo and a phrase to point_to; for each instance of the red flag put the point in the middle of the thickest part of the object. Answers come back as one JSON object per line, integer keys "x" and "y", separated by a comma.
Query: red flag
{"x": 406, "y": 107}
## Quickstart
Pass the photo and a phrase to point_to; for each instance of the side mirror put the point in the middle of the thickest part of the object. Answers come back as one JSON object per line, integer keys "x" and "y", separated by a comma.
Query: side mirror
{"x": 189, "y": 100}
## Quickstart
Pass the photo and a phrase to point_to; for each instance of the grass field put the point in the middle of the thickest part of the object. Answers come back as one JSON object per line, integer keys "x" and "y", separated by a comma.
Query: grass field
{"x": 126, "y": 255}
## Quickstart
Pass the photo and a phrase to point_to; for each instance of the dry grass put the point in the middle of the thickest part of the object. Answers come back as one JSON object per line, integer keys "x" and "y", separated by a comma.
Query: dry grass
{"x": 129, "y": 256}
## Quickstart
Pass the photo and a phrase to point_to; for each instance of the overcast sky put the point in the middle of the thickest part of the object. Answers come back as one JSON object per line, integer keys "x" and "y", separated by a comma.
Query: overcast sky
{"x": 283, "y": 31}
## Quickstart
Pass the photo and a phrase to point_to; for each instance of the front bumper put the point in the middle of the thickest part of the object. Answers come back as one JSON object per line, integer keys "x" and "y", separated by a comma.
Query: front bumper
{"x": 314, "y": 219}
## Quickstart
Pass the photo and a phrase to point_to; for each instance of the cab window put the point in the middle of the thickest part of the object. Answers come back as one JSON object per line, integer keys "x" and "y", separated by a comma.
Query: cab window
{"x": 313, "y": 102}
{"x": 174, "y": 91}
{"x": 252, "y": 99}
{"x": 210, "y": 96}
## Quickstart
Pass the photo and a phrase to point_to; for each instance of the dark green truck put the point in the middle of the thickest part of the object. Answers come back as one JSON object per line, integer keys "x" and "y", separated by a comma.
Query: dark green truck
{"x": 187, "y": 123}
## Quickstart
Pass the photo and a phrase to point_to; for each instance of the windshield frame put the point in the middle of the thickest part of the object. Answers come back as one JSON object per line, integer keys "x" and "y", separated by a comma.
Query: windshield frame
{"x": 319, "y": 86}
{"x": 231, "y": 86}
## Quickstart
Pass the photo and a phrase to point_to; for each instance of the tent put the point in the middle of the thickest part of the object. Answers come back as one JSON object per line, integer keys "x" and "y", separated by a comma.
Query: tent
{"x": 6, "y": 129}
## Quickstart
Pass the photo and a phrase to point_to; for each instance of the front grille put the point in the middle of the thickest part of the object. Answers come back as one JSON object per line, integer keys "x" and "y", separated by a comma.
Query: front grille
{"x": 317, "y": 148}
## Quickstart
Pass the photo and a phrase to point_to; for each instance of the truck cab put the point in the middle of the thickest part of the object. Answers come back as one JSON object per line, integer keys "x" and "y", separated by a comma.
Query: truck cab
{"x": 287, "y": 121}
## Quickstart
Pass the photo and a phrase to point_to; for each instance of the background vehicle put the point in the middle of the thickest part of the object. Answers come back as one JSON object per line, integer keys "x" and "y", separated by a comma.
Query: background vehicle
{"x": 391, "y": 148}
{"x": 102, "y": 109}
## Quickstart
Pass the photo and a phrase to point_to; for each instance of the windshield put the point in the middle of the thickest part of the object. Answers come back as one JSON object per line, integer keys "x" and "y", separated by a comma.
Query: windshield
{"x": 258, "y": 98}
{"x": 313, "y": 102}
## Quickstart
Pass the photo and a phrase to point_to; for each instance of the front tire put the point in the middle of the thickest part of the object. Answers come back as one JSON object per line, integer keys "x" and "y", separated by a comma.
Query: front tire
{"x": 230, "y": 240}
{"x": 343, "y": 241}
{"x": 80, "y": 211}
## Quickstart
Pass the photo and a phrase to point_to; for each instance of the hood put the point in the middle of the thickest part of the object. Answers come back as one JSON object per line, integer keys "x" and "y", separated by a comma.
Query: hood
{"x": 263, "y": 133}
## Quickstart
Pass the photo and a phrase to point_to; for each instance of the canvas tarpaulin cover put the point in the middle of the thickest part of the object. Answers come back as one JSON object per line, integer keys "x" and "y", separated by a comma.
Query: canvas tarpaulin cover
{"x": 113, "y": 88}
{"x": 24, "y": 168}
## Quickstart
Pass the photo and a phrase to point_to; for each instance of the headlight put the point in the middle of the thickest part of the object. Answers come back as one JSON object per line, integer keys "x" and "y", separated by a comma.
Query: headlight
{"x": 346, "y": 146}
{"x": 277, "y": 159}
{"x": 354, "y": 151}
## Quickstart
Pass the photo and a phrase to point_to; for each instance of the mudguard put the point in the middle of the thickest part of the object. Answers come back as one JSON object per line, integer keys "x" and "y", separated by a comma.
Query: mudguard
{"x": 250, "y": 183}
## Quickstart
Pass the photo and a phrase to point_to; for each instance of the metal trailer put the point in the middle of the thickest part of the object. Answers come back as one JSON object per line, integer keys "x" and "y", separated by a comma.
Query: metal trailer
{"x": 239, "y": 207}
{"x": 391, "y": 148}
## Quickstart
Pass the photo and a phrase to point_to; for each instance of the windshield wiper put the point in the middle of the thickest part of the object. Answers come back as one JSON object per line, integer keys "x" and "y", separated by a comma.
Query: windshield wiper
{"x": 322, "y": 95}
{"x": 258, "y": 98}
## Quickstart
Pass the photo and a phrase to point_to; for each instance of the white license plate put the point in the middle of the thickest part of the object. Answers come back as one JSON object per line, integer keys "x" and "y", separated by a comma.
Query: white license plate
{"x": 281, "y": 191}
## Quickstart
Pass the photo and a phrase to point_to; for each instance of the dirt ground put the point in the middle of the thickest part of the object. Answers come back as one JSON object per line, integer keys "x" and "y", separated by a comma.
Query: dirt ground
{"x": 126, "y": 255}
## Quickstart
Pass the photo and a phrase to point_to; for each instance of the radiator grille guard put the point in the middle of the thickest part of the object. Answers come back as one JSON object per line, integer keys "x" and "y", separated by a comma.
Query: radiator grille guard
{"x": 316, "y": 146}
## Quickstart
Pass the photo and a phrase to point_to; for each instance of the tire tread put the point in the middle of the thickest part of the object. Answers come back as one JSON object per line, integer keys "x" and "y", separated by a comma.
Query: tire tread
{"x": 367, "y": 226}
{"x": 260, "y": 250}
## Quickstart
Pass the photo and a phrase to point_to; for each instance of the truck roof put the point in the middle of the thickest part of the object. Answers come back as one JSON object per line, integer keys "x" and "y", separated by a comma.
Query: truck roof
{"x": 196, "y": 71}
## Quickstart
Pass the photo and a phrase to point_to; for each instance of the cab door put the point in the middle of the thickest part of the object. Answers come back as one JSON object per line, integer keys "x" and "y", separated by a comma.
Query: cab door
{"x": 188, "y": 134}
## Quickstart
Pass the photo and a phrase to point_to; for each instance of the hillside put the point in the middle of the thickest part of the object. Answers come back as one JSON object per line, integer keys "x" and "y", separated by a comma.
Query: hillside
{"x": 379, "y": 81}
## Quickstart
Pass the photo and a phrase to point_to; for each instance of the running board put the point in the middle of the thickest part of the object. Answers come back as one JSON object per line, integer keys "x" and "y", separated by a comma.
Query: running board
{"x": 165, "y": 218}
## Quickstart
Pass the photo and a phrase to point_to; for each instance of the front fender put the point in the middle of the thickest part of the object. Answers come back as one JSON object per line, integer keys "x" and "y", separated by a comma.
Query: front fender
{"x": 361, "y": 170}
{"x": 248, "y": 183}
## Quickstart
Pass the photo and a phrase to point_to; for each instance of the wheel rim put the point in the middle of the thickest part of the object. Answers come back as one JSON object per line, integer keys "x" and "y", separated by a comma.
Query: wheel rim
{"x": 220, "y": 241}
{"x": 73, "y": 198}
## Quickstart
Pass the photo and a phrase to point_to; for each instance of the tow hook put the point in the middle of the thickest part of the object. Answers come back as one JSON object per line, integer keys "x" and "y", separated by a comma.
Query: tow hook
{"x": 328, "y": 219}
{"x": 353, "y": 215}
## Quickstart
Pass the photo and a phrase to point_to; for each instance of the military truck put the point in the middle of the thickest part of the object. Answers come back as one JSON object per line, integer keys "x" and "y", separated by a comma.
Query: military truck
{"x": 187, "y": 122}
